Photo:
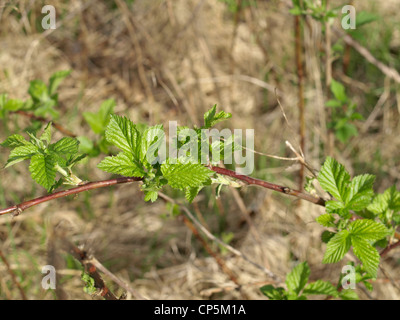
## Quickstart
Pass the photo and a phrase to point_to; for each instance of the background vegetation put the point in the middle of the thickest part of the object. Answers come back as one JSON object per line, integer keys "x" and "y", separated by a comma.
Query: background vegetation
{"x": 163, "y": 60}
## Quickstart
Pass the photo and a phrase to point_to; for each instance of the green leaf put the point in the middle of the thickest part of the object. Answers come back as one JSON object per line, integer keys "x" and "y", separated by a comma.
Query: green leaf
{"x": 14, "y": 141}
{"x": 298, "y": 277}
{"x": 21, "y": 153}
{"x": 274, "y": 293}
{"x": 326, "y": 236}
{"x": 338, "y": 91}
{"x": 367, "y": 254}
{"x": 334, "y": 103}
{"x": 326, "y": 220}
{"x": 360, "y": 193}
{"x": 87, "y": 146}
{"x": 122, "y": 164}
{"x": 390, "y": 199}
{"x": 65, "y": 145}
{"x": 38, "y": 91}
{"x": 46, "y": 107}
{"x": 3, "y": 100}
{"x": 151, "y": 141}
{"x": 184, "y": 175}
{"x": 89, "y": 287}
{"x": 348, "y": 294}
{"x": 337, "y": 247}
{"x": 211, "y": 117}
{"x": 364, "y": 17}
{"x": 338, "y": 207}
{"x": 334, "y": 178}
{"x": 151, "y": 195}
{"x": 191, "y": 193}
{"x": 368, "y": 229}
{"x": 320, "y": 287}
{"x": 98, "y": 121}
{"x": 42, "y": 170}
{"x": 13, "y": 105}
{"x": 56, "y": 79}
{"x": 122, "y": 133}
{"x": 346, "y": 131}
{"x": 46, "y": 135}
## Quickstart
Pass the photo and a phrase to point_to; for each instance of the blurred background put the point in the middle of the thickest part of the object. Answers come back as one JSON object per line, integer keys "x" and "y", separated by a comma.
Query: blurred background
{"x": 166, "y": 60}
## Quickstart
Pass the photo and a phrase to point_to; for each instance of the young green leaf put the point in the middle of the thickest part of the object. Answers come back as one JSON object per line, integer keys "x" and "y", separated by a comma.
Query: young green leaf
{"x": 65, "y": 145}
{"x": 389, "y": 200}
{"x": 183, "y": 175}
{"x": 122, "y": 164}
{"x": 274, "y": 293}
{"x": 326, "y": 220}
{"x": 298, "y": 277}
{"x": 211, "y": 117}
{"x": 338, "y": 91}
{"x": 337, "y": 247}
{"x": 42, "y": 168}
{"x": 367, "y": 254}
{"x": 320, "y": 287}
{"x": 13, "y": 105}
{"x": 98, "y": 121}
{"x": 38, "y": 91}
{"x": 14, "y": 141}
{"x": 368, "y": 230}
{"x": 151, "y": 195}
{"x": 56, "y": 79}
{"x": 336, "y": 207}
{"x": 46, "y": 135}
{"x": 334, "y": 178}
{"x": 122, "y": 133}
{"x": 348, "y": 295}
{"x": 360, "y": 192}
{"x": 150, "y": 142}
{"x": 191, "y": 193}
{"x": 21, "y": 153}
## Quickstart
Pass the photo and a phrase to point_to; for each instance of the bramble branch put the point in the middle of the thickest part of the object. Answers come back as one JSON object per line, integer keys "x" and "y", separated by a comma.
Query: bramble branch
{"x": 17, "y": 209}
{"x": 56, "y": 125}
{"x": 268, "y": 185}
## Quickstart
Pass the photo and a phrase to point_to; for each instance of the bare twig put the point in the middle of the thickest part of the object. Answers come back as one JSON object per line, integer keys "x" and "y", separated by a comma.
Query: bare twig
{"x": 390, "y": 72}
{"x": 56, "y": 125}
{"x": 99, "y": 283}
{"x": 114, "y": 278}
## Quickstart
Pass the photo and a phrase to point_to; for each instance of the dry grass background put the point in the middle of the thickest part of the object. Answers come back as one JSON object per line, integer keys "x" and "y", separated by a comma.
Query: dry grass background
{"x": 167, "y": 60}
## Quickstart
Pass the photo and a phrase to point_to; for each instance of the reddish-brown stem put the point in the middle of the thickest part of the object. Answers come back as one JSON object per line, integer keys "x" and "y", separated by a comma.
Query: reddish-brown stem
{"x": 86, "y": 187}
{"x": 17, "y": 209}
{"x": 389, "y": 247}
{"x": 268, "y": 185}
{"x": 56, "y": 125}
{"x": 90, "y": 268}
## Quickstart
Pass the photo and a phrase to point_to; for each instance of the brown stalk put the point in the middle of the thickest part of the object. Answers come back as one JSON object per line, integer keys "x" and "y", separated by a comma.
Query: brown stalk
{"x": 91, "y": 269}
{"x": 17, "y": 209}
{"x": 56, "y": 125}
{"x": 389, "y": 248}
{"x": 300, "y": 76}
